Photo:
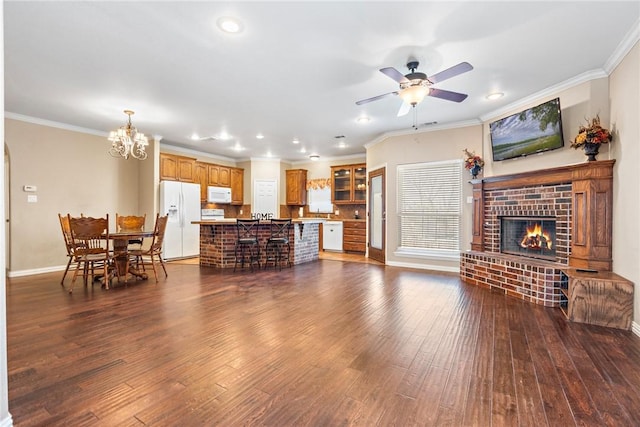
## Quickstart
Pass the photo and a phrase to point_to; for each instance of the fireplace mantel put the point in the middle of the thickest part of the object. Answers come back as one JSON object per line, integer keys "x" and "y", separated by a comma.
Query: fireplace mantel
{"x": 591, "y": 198}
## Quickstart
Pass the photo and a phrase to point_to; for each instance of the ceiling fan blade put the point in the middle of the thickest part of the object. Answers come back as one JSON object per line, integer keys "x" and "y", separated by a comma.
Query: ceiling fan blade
{"x": 462, "y": 67}
{"x": 375, "y": 98}
{"x": 448, "y": 95}
{"x": 394, "y": 74}
{"x": 404, "y": 109}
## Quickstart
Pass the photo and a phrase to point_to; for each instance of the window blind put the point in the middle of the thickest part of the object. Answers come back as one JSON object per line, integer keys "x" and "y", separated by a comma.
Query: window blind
{"x": 430, "y": 205}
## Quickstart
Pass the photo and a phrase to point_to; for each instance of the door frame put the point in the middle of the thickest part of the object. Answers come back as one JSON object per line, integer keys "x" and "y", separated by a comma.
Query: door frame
{"x": 377, "y": 254}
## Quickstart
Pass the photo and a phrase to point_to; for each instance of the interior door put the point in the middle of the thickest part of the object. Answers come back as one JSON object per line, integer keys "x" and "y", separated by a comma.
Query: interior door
{"x": 265, "y": 199}
{"x": 377, "y": 215}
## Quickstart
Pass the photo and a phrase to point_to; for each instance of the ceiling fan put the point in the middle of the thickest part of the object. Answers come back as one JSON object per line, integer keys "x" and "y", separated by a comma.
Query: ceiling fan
{"x": 415, "y": 85}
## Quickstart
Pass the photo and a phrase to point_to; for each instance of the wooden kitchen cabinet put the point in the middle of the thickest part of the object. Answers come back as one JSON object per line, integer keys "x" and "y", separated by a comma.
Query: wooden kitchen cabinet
{"x": 297, "y": 187}
{"x": 219, "y": 176}
{"x": 354, "y": 235}
{"x": 201, "y": 177}
{"x": 237, "y": 186}
{"x": 177, "y": 168}
{"x": 349, "y": 184}
{"x": 597, "y": 298}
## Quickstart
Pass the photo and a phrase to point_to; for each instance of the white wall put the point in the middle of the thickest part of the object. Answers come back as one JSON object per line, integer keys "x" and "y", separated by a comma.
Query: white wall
{"x": 5, "y": 416}
{"x": 73, "y": 173}
{"x": 437, "y": 145}
{"x": 625, "y": 111}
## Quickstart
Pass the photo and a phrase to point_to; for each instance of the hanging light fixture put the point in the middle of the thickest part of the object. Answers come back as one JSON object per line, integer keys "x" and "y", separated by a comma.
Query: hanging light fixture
{"x": 127, "y": 141}
{"x": 413, "y": 95}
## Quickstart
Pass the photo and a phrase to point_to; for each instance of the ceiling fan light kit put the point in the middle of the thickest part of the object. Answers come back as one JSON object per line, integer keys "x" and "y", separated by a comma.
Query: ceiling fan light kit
{"x": 416, "y": 85}
{"x": 413, "y": 95}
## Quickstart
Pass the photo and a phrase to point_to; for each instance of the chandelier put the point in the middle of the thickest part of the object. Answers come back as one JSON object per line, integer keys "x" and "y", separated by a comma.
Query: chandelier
{"x": 127, "y": 141}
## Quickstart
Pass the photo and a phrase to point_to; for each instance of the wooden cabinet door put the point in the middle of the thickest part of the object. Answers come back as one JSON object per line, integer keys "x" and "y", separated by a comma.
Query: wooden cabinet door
{"x": 296, "y": 187}
{"x": 214, "y": 175}
{"x": 186, "y": 169}
{"x": 359, "y": 190}
{"x": 202, "y": 179}
{"x": 168, "y": 167}
{"x": 340, "y": 185}
{"x": 224, "y": 176}
{"x": 237, "y": 186}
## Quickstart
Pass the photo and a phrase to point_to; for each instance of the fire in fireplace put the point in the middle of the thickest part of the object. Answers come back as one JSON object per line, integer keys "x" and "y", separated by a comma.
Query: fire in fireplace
{"x": 527, "y": 236}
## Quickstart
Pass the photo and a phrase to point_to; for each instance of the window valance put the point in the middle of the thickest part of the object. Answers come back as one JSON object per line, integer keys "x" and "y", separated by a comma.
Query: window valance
{"x": 318, "y": 183}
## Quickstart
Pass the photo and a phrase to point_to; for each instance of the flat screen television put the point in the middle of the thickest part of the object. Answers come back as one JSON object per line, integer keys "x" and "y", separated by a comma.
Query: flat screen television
{"x": 531, "y": 131}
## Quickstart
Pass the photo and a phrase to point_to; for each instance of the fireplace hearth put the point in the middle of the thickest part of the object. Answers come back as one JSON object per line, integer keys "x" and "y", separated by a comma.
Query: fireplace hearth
{"x": 527, "y": 236}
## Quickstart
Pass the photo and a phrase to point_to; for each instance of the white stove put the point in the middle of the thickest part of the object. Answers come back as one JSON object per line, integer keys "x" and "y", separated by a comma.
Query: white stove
{"x": 211, "y": 214}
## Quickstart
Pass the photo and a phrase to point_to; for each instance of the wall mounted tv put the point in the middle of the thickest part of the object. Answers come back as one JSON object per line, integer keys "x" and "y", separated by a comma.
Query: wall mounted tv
{"x": 531, "y": 131}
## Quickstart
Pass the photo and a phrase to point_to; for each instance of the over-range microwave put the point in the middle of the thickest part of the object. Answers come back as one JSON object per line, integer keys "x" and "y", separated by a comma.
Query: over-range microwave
{"x": 218, "y": 194}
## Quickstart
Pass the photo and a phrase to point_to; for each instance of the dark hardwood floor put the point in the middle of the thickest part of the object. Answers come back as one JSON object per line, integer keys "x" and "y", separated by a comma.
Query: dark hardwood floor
{"x": 325, "y": 343}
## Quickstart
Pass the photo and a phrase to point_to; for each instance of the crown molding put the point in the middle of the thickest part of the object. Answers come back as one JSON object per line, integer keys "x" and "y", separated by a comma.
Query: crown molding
{"x": 51, "y": 123}
{"x": 623, "y": 48}
{"x": 544, "y": 93}
{"x": 430, "y": 128}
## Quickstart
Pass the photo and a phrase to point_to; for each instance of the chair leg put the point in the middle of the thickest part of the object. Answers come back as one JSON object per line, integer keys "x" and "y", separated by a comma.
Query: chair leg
{"x": 153, "y": 265}
{"x": 75, "y": 274}
{"x": 162, "y": 264}
{"x": 106, "y": 274}
{"x": 66, "y": 270}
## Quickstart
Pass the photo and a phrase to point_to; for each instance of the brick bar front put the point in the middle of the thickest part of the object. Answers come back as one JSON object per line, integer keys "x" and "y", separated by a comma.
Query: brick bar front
{"x": 218, "y": 240}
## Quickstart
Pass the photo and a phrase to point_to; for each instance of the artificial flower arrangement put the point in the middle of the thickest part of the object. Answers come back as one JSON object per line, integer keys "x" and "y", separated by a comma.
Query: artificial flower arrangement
{"x": 593, "y": 133}
{"x": 472, "y": 159}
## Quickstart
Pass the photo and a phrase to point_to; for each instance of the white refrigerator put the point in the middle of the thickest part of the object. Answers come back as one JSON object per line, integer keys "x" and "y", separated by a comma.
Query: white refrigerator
{"x": 181, "y": 201}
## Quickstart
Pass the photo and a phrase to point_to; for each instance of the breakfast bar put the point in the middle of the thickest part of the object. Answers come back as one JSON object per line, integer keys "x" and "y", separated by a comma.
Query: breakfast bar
{"x": 218, "y": 239}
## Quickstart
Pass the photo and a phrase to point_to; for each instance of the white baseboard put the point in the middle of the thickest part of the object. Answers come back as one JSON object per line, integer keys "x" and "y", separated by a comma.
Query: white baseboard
{"x": 7, "y": 421}
{"x": 635, "y": 328}
{"x": 422, "y": 266}
{"x": 19, "y": 273}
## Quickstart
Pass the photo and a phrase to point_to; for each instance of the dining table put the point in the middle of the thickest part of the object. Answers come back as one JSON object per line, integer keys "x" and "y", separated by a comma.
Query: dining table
{"x": 122, "y": 259}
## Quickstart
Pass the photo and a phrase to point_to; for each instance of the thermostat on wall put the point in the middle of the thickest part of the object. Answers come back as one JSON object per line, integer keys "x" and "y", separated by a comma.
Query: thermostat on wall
{"x": 30, "y": 188}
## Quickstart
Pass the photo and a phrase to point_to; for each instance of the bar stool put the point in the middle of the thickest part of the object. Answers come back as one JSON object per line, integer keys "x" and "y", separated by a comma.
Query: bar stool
{"x": 277, "y": 243}
{"x": 246, "y": 242}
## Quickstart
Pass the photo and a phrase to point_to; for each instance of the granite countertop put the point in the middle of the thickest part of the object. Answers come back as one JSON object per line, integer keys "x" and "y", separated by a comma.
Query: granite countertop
{"x": 232, "y": 221}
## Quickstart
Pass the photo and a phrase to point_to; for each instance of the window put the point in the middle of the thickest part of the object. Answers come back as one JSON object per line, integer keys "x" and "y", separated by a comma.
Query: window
{"x": 320, "y": 200}
{"x": 430, "y": 209}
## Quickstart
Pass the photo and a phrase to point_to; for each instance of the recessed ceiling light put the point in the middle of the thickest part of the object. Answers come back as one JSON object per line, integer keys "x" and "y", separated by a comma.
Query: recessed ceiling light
{"x": 341, "y": 144}
{"x": 195, "y": 137}
{"x": 303, "y": 150}
{"x": 260, "y": 136}
{"x": 224, "y": 136}
{"x": 363, "y": 119}
{"x": 230, "y": 25}
{"x": 496, "y": 95}
{"x": 296, "y": 141}
{"x": 314, "y": 157}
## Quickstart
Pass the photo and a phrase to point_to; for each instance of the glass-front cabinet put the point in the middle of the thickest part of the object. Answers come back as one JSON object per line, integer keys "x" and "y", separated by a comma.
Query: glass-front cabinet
{"x": 349, "y": 184}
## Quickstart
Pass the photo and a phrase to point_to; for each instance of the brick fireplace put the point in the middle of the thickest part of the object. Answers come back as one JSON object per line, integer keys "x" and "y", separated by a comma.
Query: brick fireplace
{"x": 574, "y": 202}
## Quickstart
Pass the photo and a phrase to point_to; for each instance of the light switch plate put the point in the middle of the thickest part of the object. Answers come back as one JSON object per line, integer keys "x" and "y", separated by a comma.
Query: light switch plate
{"x": 469, "y": 199}
{"x": 32, "y": 198}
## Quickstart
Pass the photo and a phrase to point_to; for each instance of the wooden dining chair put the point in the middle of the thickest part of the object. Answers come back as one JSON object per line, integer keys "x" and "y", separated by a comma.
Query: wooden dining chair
{"x": 153, "y": 254}
{"x": 131, "y": 223}
{"x": 90, "y": 239}
{"x": 69, "y": 245}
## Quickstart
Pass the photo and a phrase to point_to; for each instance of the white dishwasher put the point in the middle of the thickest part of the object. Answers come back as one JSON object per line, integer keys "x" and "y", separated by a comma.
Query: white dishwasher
{"x": 332, "y": 236}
